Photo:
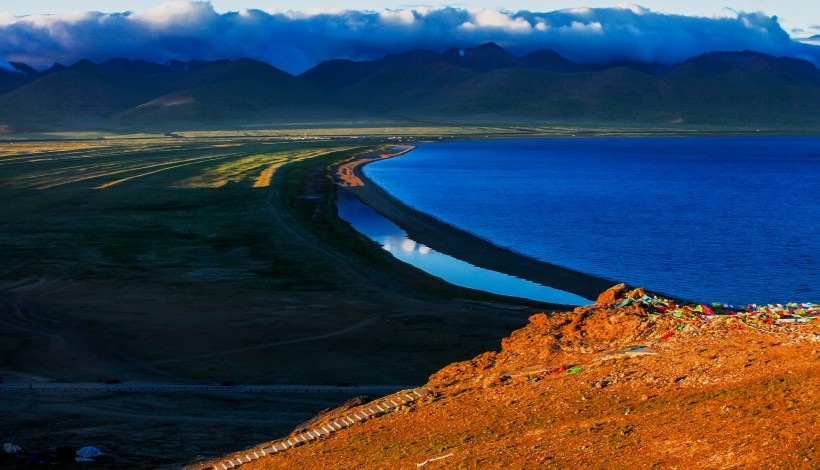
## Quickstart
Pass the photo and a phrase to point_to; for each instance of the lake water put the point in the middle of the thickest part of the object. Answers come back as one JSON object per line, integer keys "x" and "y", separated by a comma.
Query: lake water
{"x": 455, "y": 271}
{"x": 733, "y": 220}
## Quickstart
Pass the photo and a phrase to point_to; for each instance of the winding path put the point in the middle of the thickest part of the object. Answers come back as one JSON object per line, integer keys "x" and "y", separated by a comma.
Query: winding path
{"x": 357, "y": 415}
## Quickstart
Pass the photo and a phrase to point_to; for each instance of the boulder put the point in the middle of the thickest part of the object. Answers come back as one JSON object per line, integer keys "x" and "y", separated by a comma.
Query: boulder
{"x": 612, "y": 296}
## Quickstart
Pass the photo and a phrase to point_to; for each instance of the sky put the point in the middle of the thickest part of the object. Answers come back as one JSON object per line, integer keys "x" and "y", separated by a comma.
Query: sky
{"x": 796, "y": 16}
{"x": 295, "y": 35}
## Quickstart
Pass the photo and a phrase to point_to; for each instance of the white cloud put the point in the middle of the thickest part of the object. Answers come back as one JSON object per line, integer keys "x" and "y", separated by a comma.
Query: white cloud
{"x": 636, "y": 9}
{"x": 402, "y": 17}
{"x": 177, "y": 15}
{"x": 295, "y": 41}
{"x": 579, "y": 27}
{"x": 484, "y": 19}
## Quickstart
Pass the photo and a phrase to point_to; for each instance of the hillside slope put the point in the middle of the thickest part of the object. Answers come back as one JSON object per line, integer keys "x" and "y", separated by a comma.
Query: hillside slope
{"x": 485, "y": 83}
{"x": 604, "y": 386}
{"x": 227, "y": 90}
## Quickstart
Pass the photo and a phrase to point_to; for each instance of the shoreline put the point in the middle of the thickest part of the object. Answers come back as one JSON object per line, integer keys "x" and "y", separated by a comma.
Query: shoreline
{"x": 445, "y": 238}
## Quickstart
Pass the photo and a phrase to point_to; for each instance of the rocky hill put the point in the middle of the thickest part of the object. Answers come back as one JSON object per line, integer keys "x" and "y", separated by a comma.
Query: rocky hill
{"x": 632, "y": 382}
{"x": 486, "y": 82}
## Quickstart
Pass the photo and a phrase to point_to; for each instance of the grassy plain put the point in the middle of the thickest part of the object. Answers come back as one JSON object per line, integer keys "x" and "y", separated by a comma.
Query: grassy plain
{"x": 202, "y": 259}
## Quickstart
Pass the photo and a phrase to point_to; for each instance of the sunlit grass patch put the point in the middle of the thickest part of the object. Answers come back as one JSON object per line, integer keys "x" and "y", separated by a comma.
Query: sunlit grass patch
{"x": 38, "y": 165}
{"x": 206, "y": 159}
{"x": 256, "y": 170}
{"x": 163, "y": 167}
{"x": 263, "y": 181}
{"x": 234, "y": 171}
{"x": 17, "y": 149}
{"x": 103, "y": 164}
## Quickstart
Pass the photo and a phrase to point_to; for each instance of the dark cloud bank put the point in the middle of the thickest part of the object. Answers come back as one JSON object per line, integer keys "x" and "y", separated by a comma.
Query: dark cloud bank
{"x": 296, "y": 41}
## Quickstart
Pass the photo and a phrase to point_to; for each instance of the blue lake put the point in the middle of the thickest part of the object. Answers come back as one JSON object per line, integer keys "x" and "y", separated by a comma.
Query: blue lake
{"x": 708, "y": 219}
{"x": 455, "y": 271}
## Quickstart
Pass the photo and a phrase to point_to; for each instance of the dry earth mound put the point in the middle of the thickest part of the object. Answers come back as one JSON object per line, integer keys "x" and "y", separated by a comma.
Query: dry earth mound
{"x": 634, "y": 381}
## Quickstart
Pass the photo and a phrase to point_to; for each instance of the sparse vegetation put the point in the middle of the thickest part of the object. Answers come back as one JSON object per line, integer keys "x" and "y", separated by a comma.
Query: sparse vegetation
{"x": 192, "y": 274}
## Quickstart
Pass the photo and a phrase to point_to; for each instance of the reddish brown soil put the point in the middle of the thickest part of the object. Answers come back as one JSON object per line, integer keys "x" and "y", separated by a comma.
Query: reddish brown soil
{"x": 715, "y": 395}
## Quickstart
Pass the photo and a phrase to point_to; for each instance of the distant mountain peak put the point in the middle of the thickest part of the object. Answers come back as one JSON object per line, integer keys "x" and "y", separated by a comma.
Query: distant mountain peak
{"x": 548, "y": 59}
{"x": 489, "y": 47}
{"x": 722, "y": 62}
{"x": 483, "y": 58}
{"x": 23, "y": 68}
{"x": 82, "y": 64}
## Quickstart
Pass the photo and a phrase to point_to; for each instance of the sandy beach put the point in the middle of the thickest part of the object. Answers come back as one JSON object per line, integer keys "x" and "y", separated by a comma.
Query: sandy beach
{"x": 455, "y": 242}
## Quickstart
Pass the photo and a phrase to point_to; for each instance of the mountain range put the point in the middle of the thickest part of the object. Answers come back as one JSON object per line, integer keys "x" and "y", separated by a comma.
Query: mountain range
{"x": 485, "y": 82}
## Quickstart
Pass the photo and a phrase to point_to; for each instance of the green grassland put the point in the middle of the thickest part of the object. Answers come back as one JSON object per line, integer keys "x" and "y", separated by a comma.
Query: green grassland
{"x": 164, "y": 258}
{"x": 170, "y": 206}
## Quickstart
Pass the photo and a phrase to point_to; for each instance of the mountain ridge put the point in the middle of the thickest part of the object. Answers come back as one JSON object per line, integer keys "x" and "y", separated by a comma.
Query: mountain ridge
{"x": 716, "y": 87}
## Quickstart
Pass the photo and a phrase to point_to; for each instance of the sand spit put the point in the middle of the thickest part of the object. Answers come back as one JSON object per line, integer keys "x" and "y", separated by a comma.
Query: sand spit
{"x": 348, "y": 174}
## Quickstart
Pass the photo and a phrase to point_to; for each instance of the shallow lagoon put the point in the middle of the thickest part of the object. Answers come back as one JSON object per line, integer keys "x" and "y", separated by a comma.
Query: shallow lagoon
{"x": 395, "y": 240}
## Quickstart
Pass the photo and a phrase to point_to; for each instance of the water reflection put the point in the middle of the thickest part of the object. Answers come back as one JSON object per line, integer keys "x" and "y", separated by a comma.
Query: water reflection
{"x": 395, "y": 240}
